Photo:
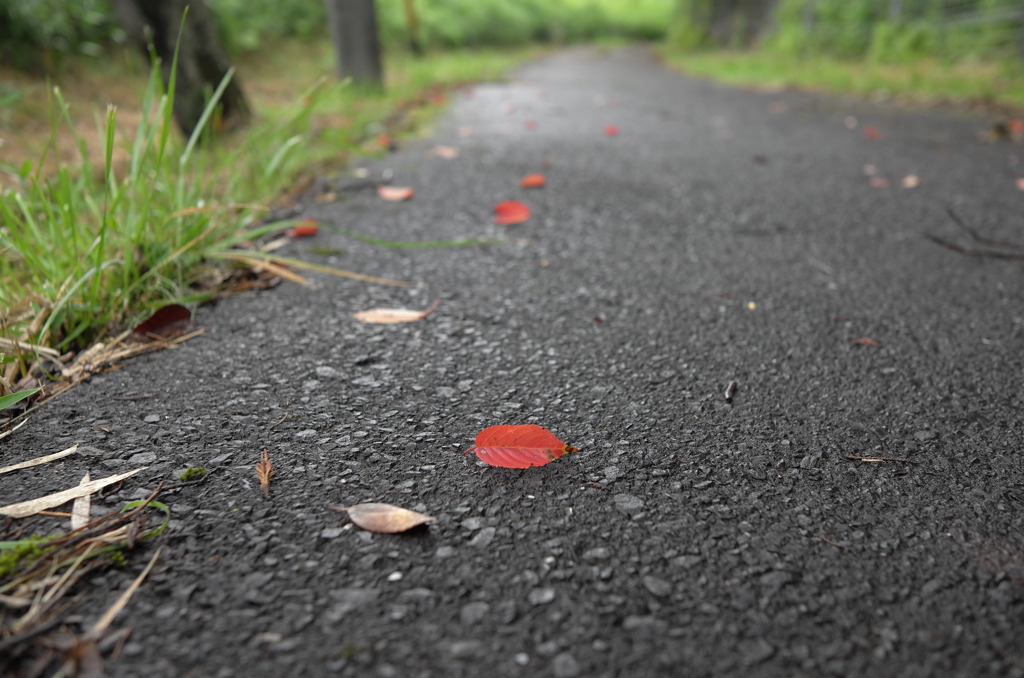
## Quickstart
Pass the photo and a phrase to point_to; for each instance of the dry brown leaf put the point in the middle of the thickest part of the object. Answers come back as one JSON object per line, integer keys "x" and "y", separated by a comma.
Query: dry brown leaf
{"x": 265, "y": 471}
{"x": 27, "y": 508}
{"x": 865, "y": 341}
{"x": 384, "y": 518}
{"x": 40, "y": 460}
{"x": 388, "y": 316}
{"x": 82, "y": 507}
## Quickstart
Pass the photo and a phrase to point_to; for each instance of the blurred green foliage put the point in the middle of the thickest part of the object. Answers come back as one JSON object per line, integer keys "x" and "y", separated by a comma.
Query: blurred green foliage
{"x": 882, "y": 31}
{"x": 37, "y": 32}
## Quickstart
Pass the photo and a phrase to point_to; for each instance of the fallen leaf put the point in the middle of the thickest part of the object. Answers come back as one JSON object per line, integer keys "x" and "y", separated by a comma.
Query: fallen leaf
{"x": 303, "y": 229}
{"x": 879, "y": 182}
{"x": 911, "y": 181}
{"x": 81, "y": 507}
{"x": 1020, "y": 183}
{"x": 265, "y": 471}
{"x": 447, "y": 152}
{"x": 466, "y": 132}
{"x": 384, "y": 518}
{"x": 390, "y": 316}
{"x": 532, "y": 181}
{"x": 530, "y": 124}
{"x": 1015, "y": 126}
{"x": 871, "y": 132}
{"x": 40, "y": 460}
{"x": 167, "y": 322}
{"x": 611, "y": 130}
{"x": 386, "y": 141}
{"x": 27, "y": 508}
{"x": 865, "y": 341}
{"x": 521, "y": 446}
{"x": 395, "y": 193}
{"x": 511, "y": 212}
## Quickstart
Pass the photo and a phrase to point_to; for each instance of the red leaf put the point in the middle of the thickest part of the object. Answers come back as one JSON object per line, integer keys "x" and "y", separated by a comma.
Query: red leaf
{"x": 611, "y": 130}
{"x": 871, "y": 132}
{"x": 520, "y": 446}
{"x": 530, "y": 124}
{"x": 395, "y": 193}
{"x": 167, "y": 322}
{"x": 511, "y": 212}
{"x": 879, "y": 182}
{"x": 532, "y": 181}
{"x": 1020, "y": 183}
{"x": 865, "y": 341}
{"x": 303, "y": 229}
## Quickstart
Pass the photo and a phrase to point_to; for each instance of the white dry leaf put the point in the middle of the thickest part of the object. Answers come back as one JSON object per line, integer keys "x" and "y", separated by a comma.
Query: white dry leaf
{"x": 40, "y": 460}
{"x": 389, "y": 316}
{"x": 24, "y": 509}
{"x": 82, "y": 507}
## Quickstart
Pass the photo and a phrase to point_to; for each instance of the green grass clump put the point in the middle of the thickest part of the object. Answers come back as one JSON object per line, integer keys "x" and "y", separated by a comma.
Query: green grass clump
{"x": 96, "y": 246}
{"x": 14, "y": 553}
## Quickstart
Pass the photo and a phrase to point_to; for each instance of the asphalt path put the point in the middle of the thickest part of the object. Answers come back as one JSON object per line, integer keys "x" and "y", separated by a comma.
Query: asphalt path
{"x": 722, "y": 236}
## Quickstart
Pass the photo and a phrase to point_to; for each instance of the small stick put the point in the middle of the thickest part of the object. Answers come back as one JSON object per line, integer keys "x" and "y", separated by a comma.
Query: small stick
{"x": 730, "y": 391}
{"x": 881, "y": 459}
{"x": 977, "y": 236}
{"x": 828, "y": 541}
{"x": 279, "y": 421}
{"x": 973, "y": 252}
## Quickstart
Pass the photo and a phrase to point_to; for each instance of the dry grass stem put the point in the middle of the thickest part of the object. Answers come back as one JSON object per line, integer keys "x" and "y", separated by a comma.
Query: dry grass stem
{"x": 265, "y": 471}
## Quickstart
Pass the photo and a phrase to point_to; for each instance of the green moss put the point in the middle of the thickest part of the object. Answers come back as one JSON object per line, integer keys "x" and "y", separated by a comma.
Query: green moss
{"x": 193, "y": 473}
{"x": 13, "y": 553}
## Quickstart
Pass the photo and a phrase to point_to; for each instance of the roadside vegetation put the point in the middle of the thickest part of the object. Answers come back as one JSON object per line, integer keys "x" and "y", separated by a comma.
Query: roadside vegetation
{"x": 109, "y": 212}
{"x": 919, "y": 51}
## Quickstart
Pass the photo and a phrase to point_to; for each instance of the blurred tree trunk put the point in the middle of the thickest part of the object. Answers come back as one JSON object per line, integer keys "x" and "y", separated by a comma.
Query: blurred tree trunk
{"x": 413, "y": 23}
{"x": 353, "y": 26}
{"x": 725, "y": 23}
{"x": 202, "y": 59}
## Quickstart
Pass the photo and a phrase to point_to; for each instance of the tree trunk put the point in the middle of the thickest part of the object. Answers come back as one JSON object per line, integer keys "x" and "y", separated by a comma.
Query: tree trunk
{"x": 353, "y": 26}
{"x": 413, "y": 24}
{"x": 202, "y": 60}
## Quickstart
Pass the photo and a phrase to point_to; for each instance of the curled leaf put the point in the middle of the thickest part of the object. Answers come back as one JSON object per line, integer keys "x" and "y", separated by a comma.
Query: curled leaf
{"x": 521, "y": 446}
{"x": 384, "y": 518}
{"x": 390, "y": 316}
{"x": 169, "y": 321}
{"x": 395, "y": 193}
{"x": 532, "y": 181}
{"x": 511, "y": 212}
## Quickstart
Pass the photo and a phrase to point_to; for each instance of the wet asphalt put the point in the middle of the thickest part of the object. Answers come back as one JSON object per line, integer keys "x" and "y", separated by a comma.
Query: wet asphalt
{"x": 764, "y": 243}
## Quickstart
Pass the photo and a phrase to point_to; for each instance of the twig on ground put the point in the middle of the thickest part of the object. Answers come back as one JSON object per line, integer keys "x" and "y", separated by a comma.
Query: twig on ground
{"x": 903, "y": 460}
{"x": 1016, "y": 250}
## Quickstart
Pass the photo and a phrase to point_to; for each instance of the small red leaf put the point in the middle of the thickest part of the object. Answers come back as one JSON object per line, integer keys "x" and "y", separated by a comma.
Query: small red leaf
{"x": 871, "y": 132}
{"x": 865, "y": 341}
{"x": 169, "y": 321}
{"x": 520, "y": 446}
{"x": 879, "y": 182}
{"x": 1020, "y": 183}
{"x": 611, "y": 130}
{"x": 532, "y": 181}
{"x": 395, "y": 193}
{"x": 530, "y": 124}
{"x": 511, "y": 212}
{"x": 303, "y": 229}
